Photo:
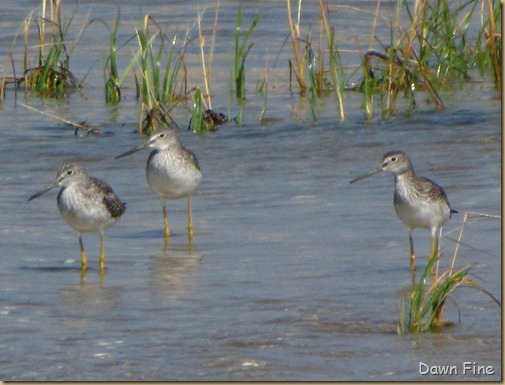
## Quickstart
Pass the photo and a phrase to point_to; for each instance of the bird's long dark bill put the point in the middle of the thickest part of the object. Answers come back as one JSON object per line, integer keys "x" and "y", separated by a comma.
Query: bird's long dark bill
{"x": 373, "y": 172}
{"x": 42, "y": 192}
{"x": 132, "y": 151}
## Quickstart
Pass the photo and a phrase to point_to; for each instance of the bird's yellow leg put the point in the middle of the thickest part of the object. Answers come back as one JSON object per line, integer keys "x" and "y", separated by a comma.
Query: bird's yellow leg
{"x": 435, "y": 252}
{"x": 190, "y": 220}
{"x": 84, "y": 273}
{"x": 84, "y": 260}
{"x": 102, "y": 253}
{"x": 165, "y": 221}
{"x": 434, "y": 247}
{"x": 412, "y": 255}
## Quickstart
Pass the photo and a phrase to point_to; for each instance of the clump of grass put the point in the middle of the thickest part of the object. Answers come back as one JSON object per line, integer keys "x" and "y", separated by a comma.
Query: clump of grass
{"x": 203, "y": 119}
{"x": 432, "y": 55}
{"x": 163, "y": 77}
{"x": 298, "y": 67}
{"x": 397, "y": 67}
{"x": 112, "y": 86}
{"x": 207, "y": 63}
{"x": 335, "y": 63}
{"x": 198, "y": 124}
{"x": 385, "y": 75}
{"x": 430, "y": 294}
{"x": 8, "y": 79}
{"x": 432, "y": 52}
{"x": 308, "y": 68}
{"x": 488, "y": 49}
{"x": 51, "y": 76}
{"x": 113, "y": 82}
{"x": 242, "y": 50}
{"x": 440, "y": 29}
{"x": 428, "y": 299}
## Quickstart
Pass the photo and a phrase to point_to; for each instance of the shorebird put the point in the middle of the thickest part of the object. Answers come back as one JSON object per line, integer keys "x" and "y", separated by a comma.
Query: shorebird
{"x": 87, "y": 204}
{"x": 419, "y": 202}
{"x": 172, "y": 171}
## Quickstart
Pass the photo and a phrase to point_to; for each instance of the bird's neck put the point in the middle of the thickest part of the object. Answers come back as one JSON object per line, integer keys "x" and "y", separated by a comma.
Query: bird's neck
{"x": 404, "y": 178}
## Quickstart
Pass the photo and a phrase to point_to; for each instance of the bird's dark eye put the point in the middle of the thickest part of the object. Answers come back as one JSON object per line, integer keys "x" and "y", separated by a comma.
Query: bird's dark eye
{"x": 394, "y": 158}
{"x": 162, "y": 136}
{"x": 70, "y": 172}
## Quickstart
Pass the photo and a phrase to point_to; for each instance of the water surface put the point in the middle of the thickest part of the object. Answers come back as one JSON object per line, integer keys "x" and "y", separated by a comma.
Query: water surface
{"x": 293, "y": 275}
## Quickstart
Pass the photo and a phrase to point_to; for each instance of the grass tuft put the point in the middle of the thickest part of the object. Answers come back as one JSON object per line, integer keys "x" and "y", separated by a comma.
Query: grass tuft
{"x": 51, "y": 76}
{"x": 430, "y": 294}
{"x": 430, "y": 49}
{"x": 242, "y": 49}
{"x": 162, "y": 78}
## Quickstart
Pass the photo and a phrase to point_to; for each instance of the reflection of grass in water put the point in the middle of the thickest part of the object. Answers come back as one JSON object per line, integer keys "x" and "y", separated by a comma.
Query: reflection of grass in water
{"x": 429, "y": 295}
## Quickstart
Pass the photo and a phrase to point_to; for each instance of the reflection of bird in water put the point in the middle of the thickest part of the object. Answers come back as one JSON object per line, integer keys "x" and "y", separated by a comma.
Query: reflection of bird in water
{"x": 419, "y": 202}
{"x": 87, "y": 306}
{"x": 87, "y": 204}
{"x": 172, "y": 274}
{"x": 172, "y": 172}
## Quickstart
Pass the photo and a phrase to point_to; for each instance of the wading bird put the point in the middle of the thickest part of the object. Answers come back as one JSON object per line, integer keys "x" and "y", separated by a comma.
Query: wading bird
{"x": 172, "y": 172}
{"x": 419, "y": 202}
{"x": 87, "y": 204}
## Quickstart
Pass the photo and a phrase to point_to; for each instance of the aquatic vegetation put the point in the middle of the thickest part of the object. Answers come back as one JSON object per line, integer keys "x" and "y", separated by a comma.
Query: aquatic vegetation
{"x": 316, "y": 76}
{"x": 308, "y": 66}
{"x": 201, "y": 114}
{"x": 432, "y": 47}
{"x": 432, "y": 55}
{"x": 112, "y": 84}
{"x": 198, "y": 123}
{"x": 385, "y": 75}
{"x": 297, "y": 68}
{"x": 488, "y": 48}
{"x": 162, "y": 78}
{"x": 262, "y": 88}
{"x": 242, "y": 49}
{"x": 51, "y": 75}
{"x": 207, "y": 64}
{"x": 429, "y": 296}
{"x": 335, "y": 63}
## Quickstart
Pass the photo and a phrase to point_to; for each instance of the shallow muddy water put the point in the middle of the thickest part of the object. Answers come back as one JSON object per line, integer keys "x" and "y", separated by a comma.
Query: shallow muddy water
{"x": 293, "y": 274}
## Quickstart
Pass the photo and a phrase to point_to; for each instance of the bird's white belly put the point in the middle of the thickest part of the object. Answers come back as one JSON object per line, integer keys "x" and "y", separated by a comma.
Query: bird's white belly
{"x": 172, "y": 180}
{"x": 82, "y": 213}
{"x": 423, "y": 216}
{"x": 429, "y": 215}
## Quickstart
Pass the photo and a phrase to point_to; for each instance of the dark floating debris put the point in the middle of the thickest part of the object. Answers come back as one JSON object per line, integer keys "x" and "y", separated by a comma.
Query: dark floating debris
{"x": 216, "y": 118}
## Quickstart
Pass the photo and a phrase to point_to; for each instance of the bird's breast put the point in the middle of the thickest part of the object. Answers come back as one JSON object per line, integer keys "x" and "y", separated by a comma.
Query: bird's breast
{"x": 417, "y": 207}
{"x": 172, "y": 176}
{"x": 83, "y": 211}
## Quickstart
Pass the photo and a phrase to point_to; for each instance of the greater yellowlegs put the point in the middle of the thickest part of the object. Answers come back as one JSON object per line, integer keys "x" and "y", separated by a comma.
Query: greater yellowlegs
{"x": 87, "y": 204}
{"x": 419, "y": 202}
{"x": 172, "y": 171}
